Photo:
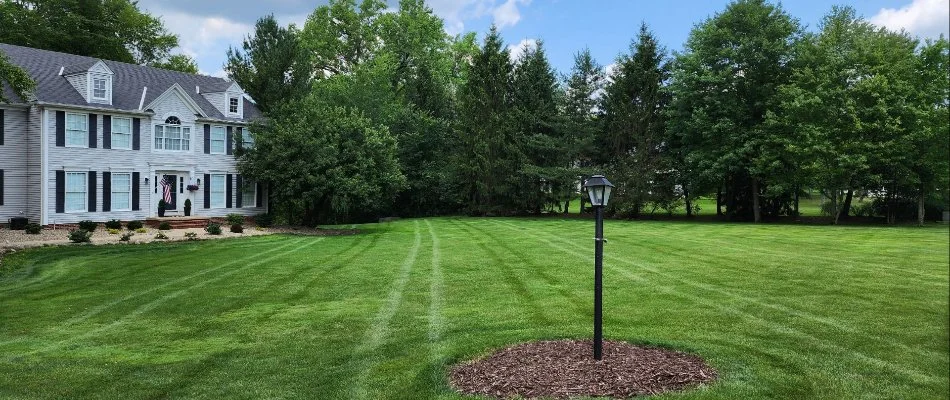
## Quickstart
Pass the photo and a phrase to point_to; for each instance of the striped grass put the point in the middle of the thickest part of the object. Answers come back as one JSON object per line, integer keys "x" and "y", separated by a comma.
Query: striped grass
{"x": 781, "y": 311}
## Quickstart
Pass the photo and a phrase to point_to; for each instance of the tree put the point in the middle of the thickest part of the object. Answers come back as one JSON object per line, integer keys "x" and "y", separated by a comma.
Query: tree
{"x": 581, "y": 90}
{"x": 488, "y": 153}
{"x": 341, "y": 35}
{"x": 328, "y": 162}
{"x": 929, "y": 137}
{"x": 271, "y": 68}
{"x": 18, "y": 80}
{"x": 109, "y": 29}
{"x": 728, "y": 76}
{"x": 180, "y": 63}
{"x": 632, "y": 142}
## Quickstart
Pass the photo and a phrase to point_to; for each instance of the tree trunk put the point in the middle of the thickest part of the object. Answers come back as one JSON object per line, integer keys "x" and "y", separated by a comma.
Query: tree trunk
{"x": 920, "y": 207}
{"x": 846, "y": 207}
{"x": 583, "y": 196}
{"x": 567, "y": 205}
{"x": 689, "y": 203}
{"x": 796, "y": 204}
{"x": 719, "y": 201}
{"x": 756, "y": 210}
{"x": 834, "y": 205}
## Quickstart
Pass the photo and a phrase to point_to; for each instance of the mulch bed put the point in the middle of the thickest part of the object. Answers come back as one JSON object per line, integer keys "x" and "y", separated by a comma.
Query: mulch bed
{"x": 566, "y": 368}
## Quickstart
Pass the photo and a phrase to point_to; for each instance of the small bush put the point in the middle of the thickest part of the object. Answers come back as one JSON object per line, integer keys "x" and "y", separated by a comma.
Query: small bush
{"x": 126, "y": 236}
{"x": 80, "y": 236}
{"x": 114, "y": 231}
{"x": 161, "y": 236}
{"x": 141, "y": 230}
{"x": 213, "y": 228}
{"x": 235, "y": 219}
{"x": 33, "y": 229}
{"x": 114, "y": 224}
{"x": 237, "y": 228}
{"x": 88, "y": 226}
{"x": 133, "y": 225}
{"x": 164, "y": 226}
{"x": 191, "y": 236}
{"x": 264, "y": 220}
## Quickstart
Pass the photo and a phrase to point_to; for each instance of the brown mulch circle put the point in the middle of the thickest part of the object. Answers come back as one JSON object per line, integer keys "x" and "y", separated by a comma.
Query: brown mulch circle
{"x": 566, "y": 368}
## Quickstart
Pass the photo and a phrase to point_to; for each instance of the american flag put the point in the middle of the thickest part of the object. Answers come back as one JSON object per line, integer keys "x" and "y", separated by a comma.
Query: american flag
{"x": 166, "y": 189}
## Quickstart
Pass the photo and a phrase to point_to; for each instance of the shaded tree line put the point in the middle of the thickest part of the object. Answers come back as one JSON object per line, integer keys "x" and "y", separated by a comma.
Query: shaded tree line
{"x": 373, "y": 113}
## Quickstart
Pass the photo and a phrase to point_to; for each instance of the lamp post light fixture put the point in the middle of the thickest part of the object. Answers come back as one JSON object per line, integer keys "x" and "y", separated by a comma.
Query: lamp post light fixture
{"x": 598, "y": 189}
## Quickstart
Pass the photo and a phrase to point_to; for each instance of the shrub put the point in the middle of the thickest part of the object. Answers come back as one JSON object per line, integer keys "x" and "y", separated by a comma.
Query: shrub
{"x": 88, "y": 226}
{"x": 264, "y": 220}
{"x": 237, "y": 228}
{"x": 80, "y": 236}
{"x": 114, "y": 224}
{"x": 161, "y": 236}
{"x": 133, "y": 225}
{"x": 164, "y": 226}
{"x": 191, "y": 236}
{"x": 126, "y": 236}
{"x": 213, "y": 228}
{"x": 33, "y": 229}
{"x": 113, "y": 231}
{"x": 141, "y": 230}
{"x": 235, "y": 219}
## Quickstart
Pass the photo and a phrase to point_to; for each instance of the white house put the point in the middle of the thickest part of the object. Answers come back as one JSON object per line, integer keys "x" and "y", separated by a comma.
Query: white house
{"x": 100, "y": 138}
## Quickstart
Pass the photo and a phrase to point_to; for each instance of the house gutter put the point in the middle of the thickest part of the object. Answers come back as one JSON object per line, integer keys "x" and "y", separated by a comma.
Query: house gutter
{"x": 92, "y": 108}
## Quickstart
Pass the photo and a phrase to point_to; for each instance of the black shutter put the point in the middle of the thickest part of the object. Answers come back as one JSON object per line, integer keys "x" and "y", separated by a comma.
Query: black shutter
{"x": 207, "y": 139}
{"x": 60, "y": 129}
{"x": 181, "y": 184}
{"x": 207, "y": 190}
{"x": 228, "y": 189}
{"x": 230, "y": 140}
{"x": 91, "y": 191}
{"x": 239, "y": 140}
{"x": 135, "y": 191}
{"x": 93, "y": 131}
{"x": 260, "y": 196}
{"x": 1, "y": 185}
{"x": 106, "y": 189}
{"x": 136, "y": 133}
{"x": 106, "y": 132}
{"x": 60, "y": 191}
{"x": 2, "y": 128}
{"x": 239, "y": 196}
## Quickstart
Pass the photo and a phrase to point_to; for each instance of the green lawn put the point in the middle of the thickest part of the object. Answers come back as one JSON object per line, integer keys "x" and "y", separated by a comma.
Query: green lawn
{"x": 780, "y": 311}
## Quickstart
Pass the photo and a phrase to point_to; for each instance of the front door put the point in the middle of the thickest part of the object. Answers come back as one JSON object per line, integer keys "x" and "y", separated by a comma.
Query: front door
{"x": 172, "y": 181}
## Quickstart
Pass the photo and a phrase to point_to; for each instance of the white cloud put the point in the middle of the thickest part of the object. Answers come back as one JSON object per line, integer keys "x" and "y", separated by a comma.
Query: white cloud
{"x": 456, "y": 12}
{"x": 924, "y": 18}
{"x": 508, "y": 14}
{"x": 516, "y": 50}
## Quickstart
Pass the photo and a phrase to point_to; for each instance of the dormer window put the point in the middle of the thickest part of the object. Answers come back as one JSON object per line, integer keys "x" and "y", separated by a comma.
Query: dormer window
{"x": 99, "y": 89}
{"x": 233, "y": 105}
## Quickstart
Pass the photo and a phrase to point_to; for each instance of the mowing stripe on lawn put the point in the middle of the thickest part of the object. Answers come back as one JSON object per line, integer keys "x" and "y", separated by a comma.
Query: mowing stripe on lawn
{"x": 831, "y": 322}
{"x": 379, "y": 328}
{"x": 155, "y": 303}
{"x": 775, "y": 327}
{"x": 436, "y": 351}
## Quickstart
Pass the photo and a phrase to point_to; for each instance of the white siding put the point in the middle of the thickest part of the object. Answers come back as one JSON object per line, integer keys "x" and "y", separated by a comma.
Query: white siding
{"x": 80, "y": 82}
{"x": 13, "y": 162}
{"x": 217, "y": 100}
{"x": 34, "y": 165}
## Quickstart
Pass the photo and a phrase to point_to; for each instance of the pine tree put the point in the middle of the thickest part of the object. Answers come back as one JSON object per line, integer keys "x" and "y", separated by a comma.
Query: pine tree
{"x": 581, "y": 90}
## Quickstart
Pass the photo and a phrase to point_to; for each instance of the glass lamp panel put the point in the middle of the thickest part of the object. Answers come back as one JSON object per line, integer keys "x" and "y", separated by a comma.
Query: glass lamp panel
{"x": 596, "y": 194}
{"x": 606, "y": 194}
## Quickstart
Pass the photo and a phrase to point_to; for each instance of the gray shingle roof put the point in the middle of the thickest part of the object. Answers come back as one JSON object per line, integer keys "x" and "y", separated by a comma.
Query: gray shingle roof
{"x": 127, "y": 81}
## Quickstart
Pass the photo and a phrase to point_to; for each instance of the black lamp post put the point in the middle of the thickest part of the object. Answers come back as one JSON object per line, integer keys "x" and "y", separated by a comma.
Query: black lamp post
{"x": 598, "y": 189}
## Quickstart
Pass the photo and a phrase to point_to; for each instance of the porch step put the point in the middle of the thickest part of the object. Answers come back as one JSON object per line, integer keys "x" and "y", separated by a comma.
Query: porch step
{"x": 179, "y": 222}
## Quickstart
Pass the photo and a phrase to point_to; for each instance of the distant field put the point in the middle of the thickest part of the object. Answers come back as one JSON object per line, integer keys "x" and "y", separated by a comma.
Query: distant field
{"x": 781, "y": 311}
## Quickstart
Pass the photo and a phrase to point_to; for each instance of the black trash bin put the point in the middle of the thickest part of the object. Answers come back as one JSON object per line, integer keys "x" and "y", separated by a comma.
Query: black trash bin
{"x": 18, "y": 223}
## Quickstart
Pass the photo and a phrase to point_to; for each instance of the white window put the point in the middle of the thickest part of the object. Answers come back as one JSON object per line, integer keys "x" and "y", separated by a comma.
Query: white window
{"x": 218, "y": 140}
{"x": 249, "y": 194}
{"x": 172, "y": 136}
{"x": 76, "y": 199}
{"x": 77, "y": 130}
{"x": 121, "y": 191}
{"x": 99, "y": 90}
{"x": 233, "y": 105}
{"x": 121, "y": 133}
{"x": 247, "y": 141}
{"x": 218, "y": 193}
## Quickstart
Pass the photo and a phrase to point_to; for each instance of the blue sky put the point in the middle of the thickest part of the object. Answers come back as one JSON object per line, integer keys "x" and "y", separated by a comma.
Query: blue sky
{"x": 207, "y": 28}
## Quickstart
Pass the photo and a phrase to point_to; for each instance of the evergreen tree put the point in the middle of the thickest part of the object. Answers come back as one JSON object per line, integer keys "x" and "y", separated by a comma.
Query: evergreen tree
{"x": 581, "y": 90}
{"x": 270, "y": 68}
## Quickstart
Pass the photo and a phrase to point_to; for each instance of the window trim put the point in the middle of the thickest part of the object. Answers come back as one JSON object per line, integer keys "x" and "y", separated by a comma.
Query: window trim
{"x": 112, "y": 191}
{"x": 182, "y": 127}
{"x": 224, "y": 191}
{"x": 113, "y": 133}
{"x": 85, "y": 135}
{"x": 223, "y": 140}
{"x": 237, "y": 104}
{"x": 253, "y": 199}
{"x": 105, "y": 88}
{"x": 85, "y": 192}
